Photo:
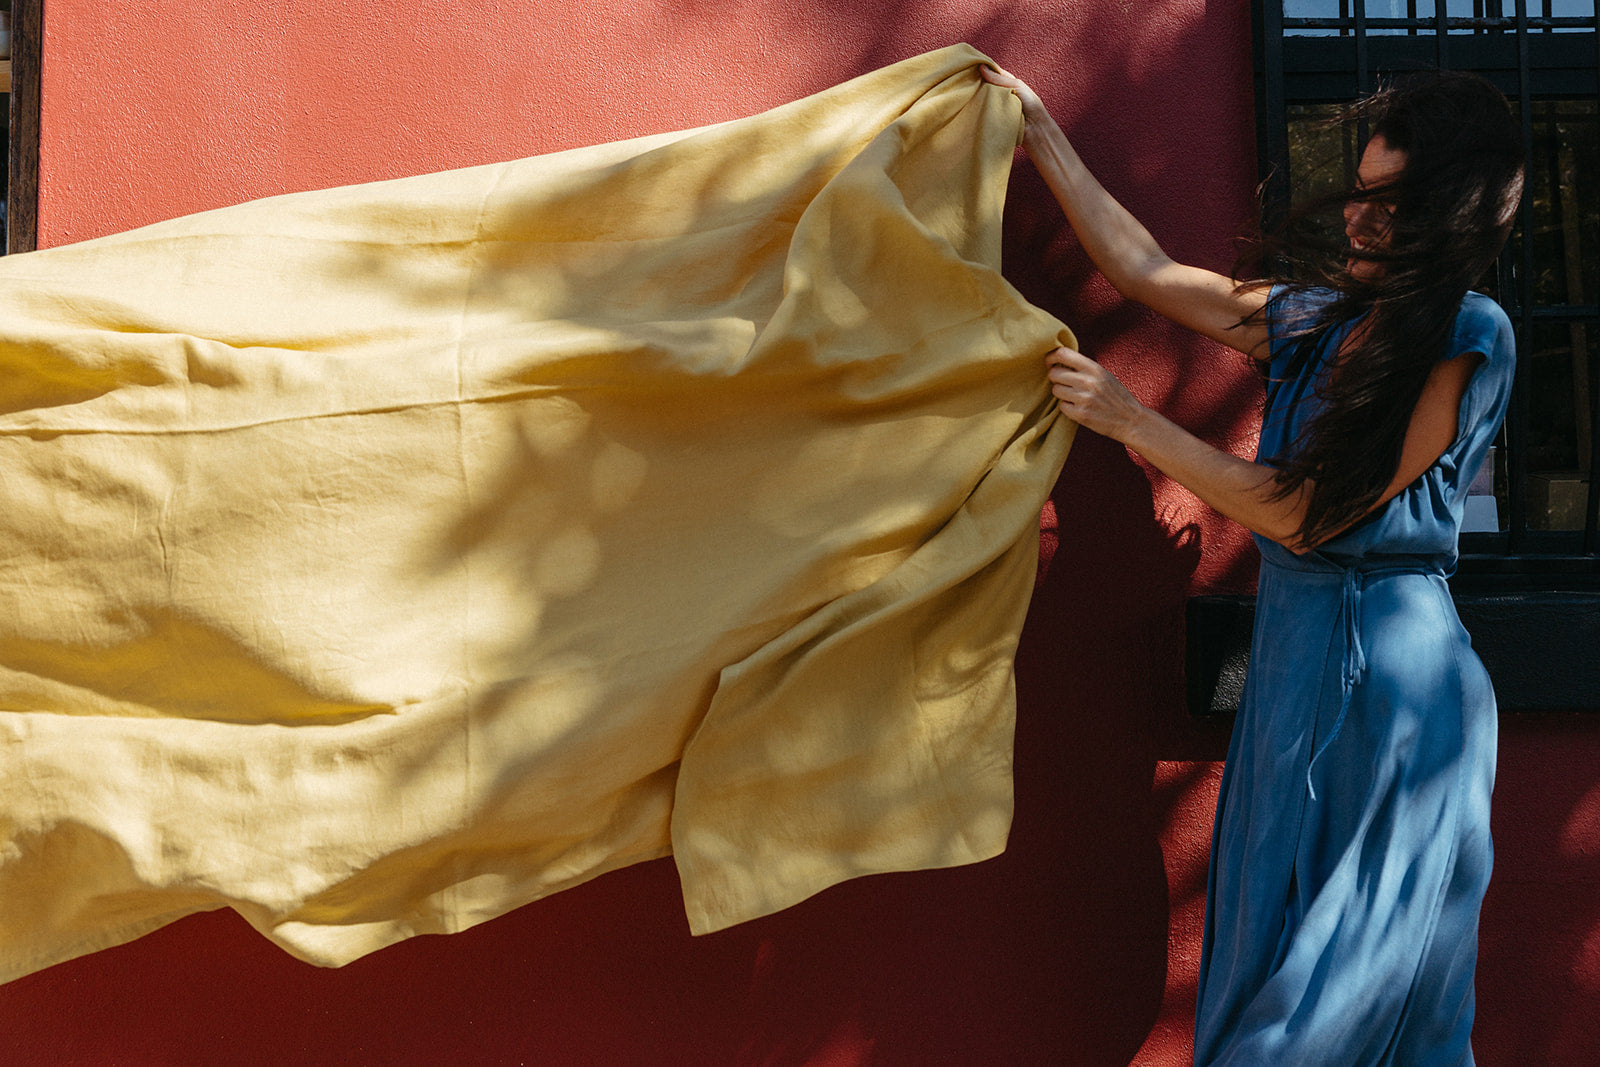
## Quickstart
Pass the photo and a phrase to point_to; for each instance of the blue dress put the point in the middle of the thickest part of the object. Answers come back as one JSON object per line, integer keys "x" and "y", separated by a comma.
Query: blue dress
{"x": 1351, "y": 848}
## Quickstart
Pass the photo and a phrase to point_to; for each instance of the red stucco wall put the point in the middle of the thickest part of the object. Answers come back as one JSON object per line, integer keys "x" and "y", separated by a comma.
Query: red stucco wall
{"x": 1080, "y": 945}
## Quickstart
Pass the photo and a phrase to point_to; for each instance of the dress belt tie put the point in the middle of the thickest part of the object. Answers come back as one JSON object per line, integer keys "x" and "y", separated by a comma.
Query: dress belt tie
{"x": 1351, "y": 666}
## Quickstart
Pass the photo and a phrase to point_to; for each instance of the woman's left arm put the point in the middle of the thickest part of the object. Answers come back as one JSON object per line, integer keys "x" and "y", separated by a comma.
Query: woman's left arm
{"x": 1242, "y": 490}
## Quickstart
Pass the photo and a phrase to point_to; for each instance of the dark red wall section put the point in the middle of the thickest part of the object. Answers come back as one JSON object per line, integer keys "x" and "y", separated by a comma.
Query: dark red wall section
{"x": 1080, "y": 945}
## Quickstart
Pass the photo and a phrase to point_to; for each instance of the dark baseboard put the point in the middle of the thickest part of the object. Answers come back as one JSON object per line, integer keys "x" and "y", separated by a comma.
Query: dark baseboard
{"x": 1541, "y": 647}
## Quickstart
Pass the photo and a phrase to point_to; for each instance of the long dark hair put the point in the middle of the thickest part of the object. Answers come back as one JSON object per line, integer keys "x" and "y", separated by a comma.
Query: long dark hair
{"x": 1453, "y": 203}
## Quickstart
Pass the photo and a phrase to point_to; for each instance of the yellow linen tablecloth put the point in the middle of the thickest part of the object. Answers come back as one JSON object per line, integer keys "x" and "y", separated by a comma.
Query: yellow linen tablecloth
{"x": 374, "y": 561}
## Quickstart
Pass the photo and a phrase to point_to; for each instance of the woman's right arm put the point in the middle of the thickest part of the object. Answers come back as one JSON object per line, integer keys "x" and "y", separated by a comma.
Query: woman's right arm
{"x": 1201, "y": 300}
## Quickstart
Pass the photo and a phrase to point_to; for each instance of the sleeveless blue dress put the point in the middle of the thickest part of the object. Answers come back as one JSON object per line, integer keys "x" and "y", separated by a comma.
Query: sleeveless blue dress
{"x": 1351, "y": 847}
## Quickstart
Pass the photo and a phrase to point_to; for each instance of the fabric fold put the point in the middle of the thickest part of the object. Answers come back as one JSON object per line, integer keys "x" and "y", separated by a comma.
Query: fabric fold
{"x": 380, "y": 559}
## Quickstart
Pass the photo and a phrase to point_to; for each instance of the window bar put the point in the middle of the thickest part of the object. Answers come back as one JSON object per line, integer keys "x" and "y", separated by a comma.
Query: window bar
{"x": 1363, "y": 76}
{"x": 1591, "y": 520}
{"x": 1441, "y": 32}
{"x": 1461, "y": 23}
{"x": 1516, "y": 437}
{"x": 1274, "y": 117}
{"x": 1592, "y": 505}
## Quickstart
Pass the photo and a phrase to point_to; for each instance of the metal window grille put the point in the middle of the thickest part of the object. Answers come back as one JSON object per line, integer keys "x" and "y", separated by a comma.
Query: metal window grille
{"x": 1545, "y": 56}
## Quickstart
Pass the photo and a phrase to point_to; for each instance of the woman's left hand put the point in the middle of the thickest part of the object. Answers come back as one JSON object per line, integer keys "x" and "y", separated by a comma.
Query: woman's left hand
{"x": 1034, "y": 113}
{"x": 1091, "y": 396}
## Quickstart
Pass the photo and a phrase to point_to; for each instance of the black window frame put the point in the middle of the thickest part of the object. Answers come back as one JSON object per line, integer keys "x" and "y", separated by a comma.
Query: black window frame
{"x": 1530, "y": 55}
{"x": 1529, "y": 598}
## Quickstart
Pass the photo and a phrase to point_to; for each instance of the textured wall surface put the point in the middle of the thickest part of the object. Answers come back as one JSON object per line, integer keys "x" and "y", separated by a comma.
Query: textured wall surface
{"x": 1081, "y": 944}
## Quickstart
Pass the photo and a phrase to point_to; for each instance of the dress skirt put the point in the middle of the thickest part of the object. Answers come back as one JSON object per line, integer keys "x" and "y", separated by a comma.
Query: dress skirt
{"x": 1351, "y": 850}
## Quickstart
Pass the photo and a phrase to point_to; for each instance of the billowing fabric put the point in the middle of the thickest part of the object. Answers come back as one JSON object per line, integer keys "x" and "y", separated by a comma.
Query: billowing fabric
{"x": 1351, "y": 849}
{"x": 380, "y": 559}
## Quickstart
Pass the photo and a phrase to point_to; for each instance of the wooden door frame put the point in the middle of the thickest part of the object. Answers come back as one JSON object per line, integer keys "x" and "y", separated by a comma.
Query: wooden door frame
{"x": 22, "y": 197}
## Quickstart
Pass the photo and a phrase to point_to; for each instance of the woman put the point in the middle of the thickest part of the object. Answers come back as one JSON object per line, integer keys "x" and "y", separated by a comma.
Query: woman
{"x": 1351, "y": 847}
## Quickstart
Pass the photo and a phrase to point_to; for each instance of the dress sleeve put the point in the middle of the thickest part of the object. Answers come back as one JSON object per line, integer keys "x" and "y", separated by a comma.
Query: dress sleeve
{"x": 1482, "y": 326}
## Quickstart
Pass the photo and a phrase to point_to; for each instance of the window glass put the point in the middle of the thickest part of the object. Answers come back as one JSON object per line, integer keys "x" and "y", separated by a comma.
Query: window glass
{"x": 1564, "y": 194}
{"x": 1314, "y": 9}
{"x": 1323, "y": 154}
{"x": 1570, "y": 9}
{"x": 1468, "y": 9}
{"x": 1560, "y": 358}
{"x": 1379, "y": 10}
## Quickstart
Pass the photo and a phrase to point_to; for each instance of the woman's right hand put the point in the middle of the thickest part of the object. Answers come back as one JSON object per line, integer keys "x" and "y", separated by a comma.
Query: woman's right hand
{"x": 1091, "y": 396}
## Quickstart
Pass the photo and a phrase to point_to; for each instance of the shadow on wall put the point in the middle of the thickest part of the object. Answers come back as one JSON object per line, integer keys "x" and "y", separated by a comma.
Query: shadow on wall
{"x": 1539, "y": 942}
{"x": 1094, "y": 675}
{"x": 1100, "y": 670}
